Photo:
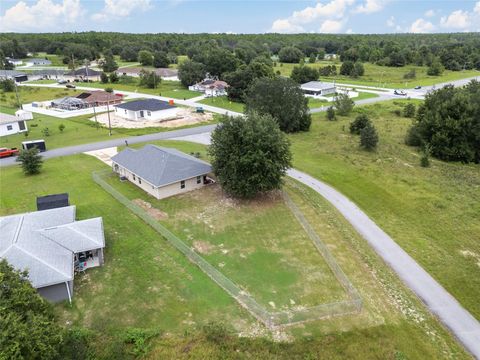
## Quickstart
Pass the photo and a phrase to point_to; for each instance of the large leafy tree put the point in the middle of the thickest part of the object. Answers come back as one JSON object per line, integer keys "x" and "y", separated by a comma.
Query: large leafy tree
{"x": 149, "y": 79}
{"x": 191, "y": 72}
{"x": 160, "y": 59}
{"x": 109, "y": 64}
{"x": 145, "y": 57}
{"x": 30, "y": 160}
{"x": 250, "y": 155}
{"x": 303, "y": 74}
{"x": 290, "y": 54}
{"x": 283, "y": 100}
{"x": 240, "y": 80}
{"x": 449, "y": 123}
{"x": 27, "y": 325}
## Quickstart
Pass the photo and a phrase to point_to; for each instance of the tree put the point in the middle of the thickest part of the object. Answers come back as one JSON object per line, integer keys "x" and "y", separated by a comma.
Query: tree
{"x": 61, "y": 127}
{"x": 329, "y": 70}
{"x": 409, "y": 111}
{"x": 360, "y": 122}
{"x": 283, "y": 100}
{"x": 103, "y": 78}
{"x": 290, "y": 54}
{"x": 449, "y": 123}
{"x": 7, "y": 85}
{"x": 27, "y": 324}
{"x": 331, "y": 114}
{"x": 312, "y": 59}
{"x": 191, "y": 72}
{"x": 343, "y": 104}
{"x": 113, "y": 77}
{"x": 145, "y": 57}
{"x": 249, "y": 155}
{"x": 435, "y": 69}
{"x": 30, "y": 160}
{"x": 129, "y": 54}
{"x": 368, "y": 137}
{"x": 303, "y": 74}
{"x": 109, "y": 63}
{"x": 358, "y": 69}
{"x": 149, "y": 79}
{"x": 347, "y": 68}
{"x": 160, "y": 59}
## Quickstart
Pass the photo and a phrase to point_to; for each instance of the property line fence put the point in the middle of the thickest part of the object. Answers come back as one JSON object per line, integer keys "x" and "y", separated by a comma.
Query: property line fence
{"x": 269, "y": 319}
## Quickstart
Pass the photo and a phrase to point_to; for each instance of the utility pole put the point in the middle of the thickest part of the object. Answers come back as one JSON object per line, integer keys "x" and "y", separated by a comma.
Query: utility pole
{"x": 95, "y": 114}
{"x": 16, "y": 93}
{"x": 109, "y": 124}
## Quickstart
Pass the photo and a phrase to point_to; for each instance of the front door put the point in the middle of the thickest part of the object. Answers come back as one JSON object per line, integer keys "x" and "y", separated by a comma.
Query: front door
{"x": 141, "y": 113}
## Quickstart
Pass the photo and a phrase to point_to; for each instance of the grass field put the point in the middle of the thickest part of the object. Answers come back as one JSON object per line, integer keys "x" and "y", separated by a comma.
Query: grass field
{"x": 431, "y": 212}
{"x": 383, "y": 76}
{"x": 28, "y": 94}
{"x": 43, "y": 81}
{"x": 224, "y": 103}
{"x": 146, "y": 284}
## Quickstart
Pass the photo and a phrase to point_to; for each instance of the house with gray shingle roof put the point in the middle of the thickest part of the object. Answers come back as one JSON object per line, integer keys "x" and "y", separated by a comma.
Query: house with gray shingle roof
{"x": 162, "y": 172}
{"x": 51, "y": 246}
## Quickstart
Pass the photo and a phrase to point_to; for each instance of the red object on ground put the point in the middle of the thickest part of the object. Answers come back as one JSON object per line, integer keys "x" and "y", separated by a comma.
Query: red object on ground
{"x": 4, "y": 152}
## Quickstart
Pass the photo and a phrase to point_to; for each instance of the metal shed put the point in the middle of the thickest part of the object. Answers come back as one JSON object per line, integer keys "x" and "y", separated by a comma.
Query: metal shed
{"x": 52, "y": 201}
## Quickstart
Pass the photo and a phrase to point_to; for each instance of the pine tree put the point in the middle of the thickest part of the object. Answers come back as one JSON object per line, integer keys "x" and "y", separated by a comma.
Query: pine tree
{"x": 368, "y": 137}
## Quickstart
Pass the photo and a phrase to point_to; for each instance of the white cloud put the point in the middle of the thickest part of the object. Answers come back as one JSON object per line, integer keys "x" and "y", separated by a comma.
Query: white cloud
{"x": 43, "y": 15}
{"x": 331, "y": 26}
{"x": 370, "y": 6}
{"x": 335, "y": 9}
{"x": 114, "y": 9}
{"x": 430, "y": 13}
{"x": 349, "y": 31}
{"x": 421, "y": 26}
{"x": 476, "y": 9}
{"x": 456, "y": 20}
{"x": 391, "y": 21}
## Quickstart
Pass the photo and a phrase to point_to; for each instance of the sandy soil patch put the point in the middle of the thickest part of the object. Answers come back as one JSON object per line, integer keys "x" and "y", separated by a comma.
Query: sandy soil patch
{"x": 186, "y": 116}
{"x": 203, "y": 247}
{"x": 153, "y": 212}
{"x": 104, "y": 155}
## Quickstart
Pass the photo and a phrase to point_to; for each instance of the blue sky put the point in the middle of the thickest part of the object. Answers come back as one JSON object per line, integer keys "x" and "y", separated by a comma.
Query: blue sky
{"x": 193, "y": 16}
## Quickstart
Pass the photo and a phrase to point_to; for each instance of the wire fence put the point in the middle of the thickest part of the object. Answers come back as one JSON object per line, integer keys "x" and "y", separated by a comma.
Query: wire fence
{"x": 269, "y": 319}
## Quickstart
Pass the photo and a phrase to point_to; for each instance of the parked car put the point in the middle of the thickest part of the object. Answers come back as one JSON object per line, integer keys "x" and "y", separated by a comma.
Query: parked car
{"x": 399, "y": 92}
{"x": 70, "y": 86}
{"x": 418, "y": 87}
{"x": 61, "y": 82}
{"x": 4, "y": 152}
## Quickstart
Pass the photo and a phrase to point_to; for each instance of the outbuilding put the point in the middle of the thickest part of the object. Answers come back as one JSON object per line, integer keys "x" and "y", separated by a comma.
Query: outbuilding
{"x": 318, "y": 88}
{"x": 13, "y": 124}
{"x": 162, "y": 172}
{"x": 147, "y": 109}
{"x": 37, "y": 62}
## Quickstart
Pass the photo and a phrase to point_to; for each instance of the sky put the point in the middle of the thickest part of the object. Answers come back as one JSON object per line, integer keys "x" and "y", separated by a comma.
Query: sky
{"x": 234, "y": 16}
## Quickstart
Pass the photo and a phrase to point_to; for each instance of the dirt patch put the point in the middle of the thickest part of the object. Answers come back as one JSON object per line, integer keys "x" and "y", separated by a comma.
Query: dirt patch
{"x": 203, "y": 247}
{"x": 153, "y": 212}
{"x": 185, "y": 116}
{"x": 471, "y": 254}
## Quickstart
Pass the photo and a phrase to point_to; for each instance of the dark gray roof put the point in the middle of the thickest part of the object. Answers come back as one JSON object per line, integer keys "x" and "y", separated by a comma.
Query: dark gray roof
{"x": 83, "y": 72}
{"x": 161, "y": 166}
{"x": 43, "y": 242}
{"x": 10, "y": 73}
{"x": 147, "y": 104}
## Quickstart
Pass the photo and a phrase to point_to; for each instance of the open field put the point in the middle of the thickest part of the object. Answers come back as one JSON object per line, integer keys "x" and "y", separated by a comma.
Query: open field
{"x": 43, "y": 81}
{"x": 147, "y": 284}
{"x": 173, "y": 89}
{"x": 383, "y": 76}
{"x": 431, "y": 212}
{"x": 28, "y": 94}
{"x": 224, "y": 103}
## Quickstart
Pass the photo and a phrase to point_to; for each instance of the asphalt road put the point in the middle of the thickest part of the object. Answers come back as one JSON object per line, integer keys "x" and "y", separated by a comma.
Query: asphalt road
{"x": 460, "y": 322}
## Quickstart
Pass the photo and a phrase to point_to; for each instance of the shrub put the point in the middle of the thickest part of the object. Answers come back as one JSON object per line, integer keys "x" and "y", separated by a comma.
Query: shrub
{"x": 46, "y": 131}
{"x": 412, "y": 74}
{"x": 114, "y": 77}
{"x": 61, "y": 127}
{"x": 413, "y": 137}
{"x": 360, "y": 122}
{"x": 139, "y": 339}
{"x": 331, "y": 114}
{"x": 109, "y": 90}
{"x": 397, "y": 112}
{"x": 103, "y": 78}
{"x": 343, "y": 104}
{"x": 368, "y": 137}
{"x": 216, "y": 333}
{"x": 409, "y": 111}
{"x": 30, "y": 160}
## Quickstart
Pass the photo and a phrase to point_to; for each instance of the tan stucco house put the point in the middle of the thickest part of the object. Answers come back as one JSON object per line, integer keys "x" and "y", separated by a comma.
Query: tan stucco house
{"x": 162, "y": 172}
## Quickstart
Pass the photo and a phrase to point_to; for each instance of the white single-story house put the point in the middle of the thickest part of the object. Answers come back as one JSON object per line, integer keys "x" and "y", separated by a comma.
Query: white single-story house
{"x": 210, "y": 87}
{"x": 165, "y": 73}
{"x": 318, "y": 88}
{"x": 13, "y": 124}
{"x": 162, "y": 172}
{"x": 51, "y": 245}
{"x": 147, "y": 109}
{"x": 330, "y": 56}
{"x": 14, "y": 62}
{"x": 36, "y": 62}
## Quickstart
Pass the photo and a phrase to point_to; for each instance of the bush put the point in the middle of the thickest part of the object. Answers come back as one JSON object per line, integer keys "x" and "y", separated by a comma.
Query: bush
{"x": 139, "y": 339}
{"x": 413, "y": 137}
{"x": 343, "y": 104}
{"x": 360, "y": 122}
{"x": 61, "y": 127}
{"x": 216, "y": 333}
{"x": 46, "y": 131}
{"x": 103, "y": 78}
{"x": 331, "y": 114}
{"x": 109, "y": 90}
{"x": 7, "y": 85}
{"x": 114, "y": 77}
{"x": 76, "y": 344}
{"x": 409, "y": 111}
{"x": 412, "y": 74}
{"x": 368, "y": 137}
{"x": 30, "y": 160}
{"x": 425, "y": 159}
{"x": 397, "y": 112}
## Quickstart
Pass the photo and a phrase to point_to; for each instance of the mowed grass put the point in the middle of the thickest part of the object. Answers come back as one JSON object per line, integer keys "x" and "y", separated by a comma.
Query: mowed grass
{"x": 224, "y": 103}
{"x": 147, "y": 284}
{"x": 384, "y": 76}
{"x": 431, "y": 212}
{"x": 28, "y": 94}
{"x": 173, "y": 89}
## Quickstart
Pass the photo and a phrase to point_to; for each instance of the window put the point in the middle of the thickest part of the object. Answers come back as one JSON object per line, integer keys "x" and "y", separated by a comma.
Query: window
{"x": 149, "y": 113}
{"x": 139, "y": 180}
{"x": 133, "y": 177}
{"x": 9, "y": 127}
{"x": 182, "y": 184}
{"x": 199, "y": 179}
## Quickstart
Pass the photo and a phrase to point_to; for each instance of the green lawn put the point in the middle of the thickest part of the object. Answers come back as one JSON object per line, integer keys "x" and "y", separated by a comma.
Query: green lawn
{"x": 147, "y": 284}
{"x": 224, "y": 103}
{"x": 431, "y": 212}
{"x": 28, "y": 94}
{"x": 316, "y": 103}
{"x": 173, "y": 89}
{"x": 42, "y": 81}
{"x": 364, "y": 95}
{"x": 57, "y": 60}
{"x": 383, "y": 76}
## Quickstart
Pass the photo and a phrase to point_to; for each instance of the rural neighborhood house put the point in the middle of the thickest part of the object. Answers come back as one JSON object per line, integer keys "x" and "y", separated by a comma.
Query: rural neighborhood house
{"x": 148, "y": 109}
{"x": 51, "y": 245}
{"x": 13, "y": 124}
{"x": 210, "y": 87}
{"x": 162, "y": 172}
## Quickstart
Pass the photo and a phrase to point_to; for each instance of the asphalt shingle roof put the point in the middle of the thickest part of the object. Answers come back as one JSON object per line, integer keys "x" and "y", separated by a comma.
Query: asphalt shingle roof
{"x": 44, "y": 243}
{"x": 146, "y": 105}
{"x": 317, "y": 85}
{"x": 161, "y": 166}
